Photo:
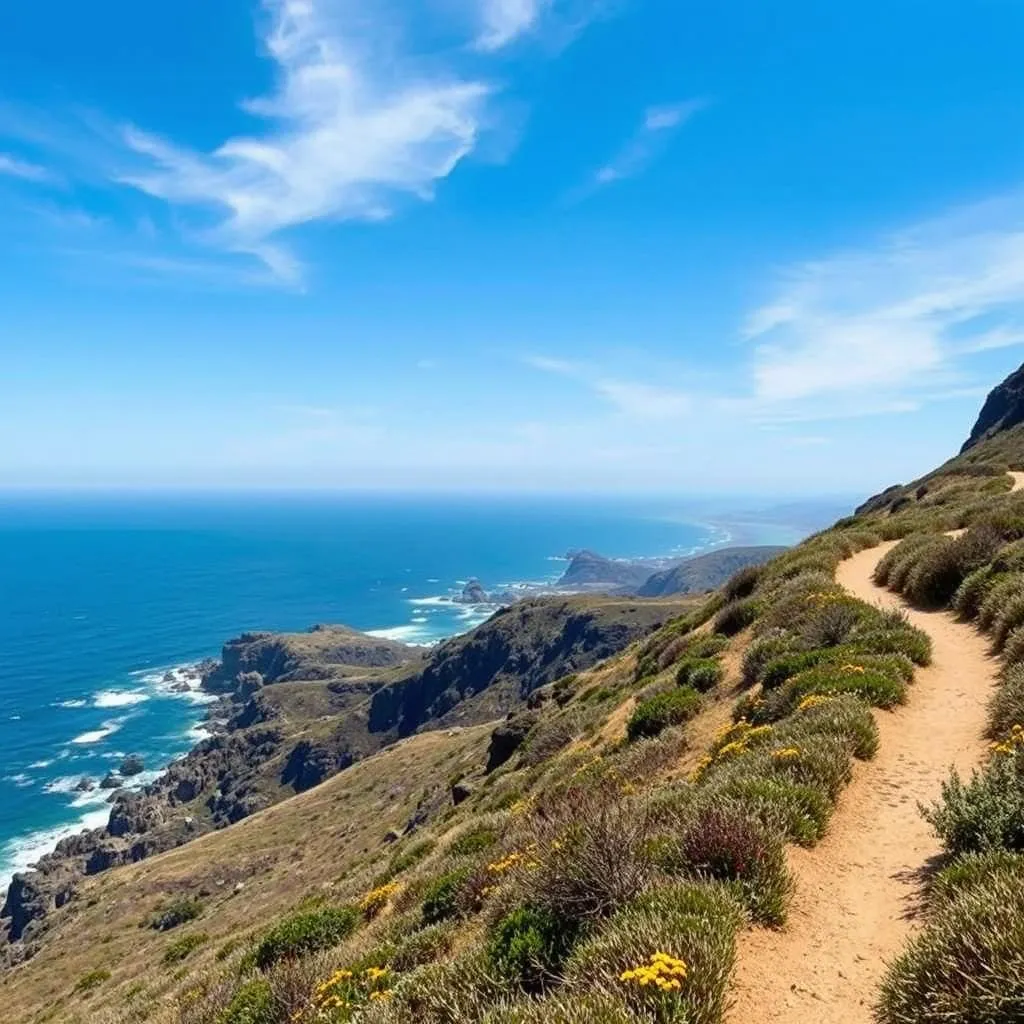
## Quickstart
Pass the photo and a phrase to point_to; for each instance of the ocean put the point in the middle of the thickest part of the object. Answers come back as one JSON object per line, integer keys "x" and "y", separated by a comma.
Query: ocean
{"x": 102, "y": 596}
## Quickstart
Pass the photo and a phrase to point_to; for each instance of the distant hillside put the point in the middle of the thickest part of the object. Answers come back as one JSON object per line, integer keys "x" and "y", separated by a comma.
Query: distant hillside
{"x": 706, "y": 572}
{"x": 589, "y": 571}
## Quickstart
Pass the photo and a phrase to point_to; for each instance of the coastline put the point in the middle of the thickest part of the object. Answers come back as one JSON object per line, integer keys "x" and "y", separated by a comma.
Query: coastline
{"x": 20, "y": 851}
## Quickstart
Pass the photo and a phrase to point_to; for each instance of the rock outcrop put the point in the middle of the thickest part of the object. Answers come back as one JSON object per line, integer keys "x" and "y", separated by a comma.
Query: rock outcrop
{"x": 1003, "y": 409}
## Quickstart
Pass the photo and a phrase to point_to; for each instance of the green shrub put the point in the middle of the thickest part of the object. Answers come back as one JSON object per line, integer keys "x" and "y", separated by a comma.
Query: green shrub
{"x": 762, "y": 651}
{"x": 181, "y": 911}
{"x": 1010, "y": 616}
{"x": 693, "y": 922}
{"x": 529, "y": 945}
{"x": 441, "y": 899}
{"x": 784, "y": 667}
{"x": 702, "y": 674}
{"x": 898, "y": 557}
{"x": 973, "y": 871}
{"x": 252, "y": 1003}
{"x": 830, "y": 623}
{"x": 940, "y": 568}
{"x": 726, "y": 844}
{"x": 876, "y": 688}
{"x": 798, "y": 811}
{"x": 967, "y": 966}
{"x": 406, "y": 858}
{"x": 305, "y": 933}
{"x": 844, "y": 717}
{"x": 475, "y": 839}
{"x": 736, "y": 616}
{"x": 673, "y": 707}
{"x": 455, "y": 991}
{"x": 999, "y": 592}
{"x": 1013, "y": 647}
{"x": 986, "y": 813}
{"x": 423, "y": 946}
{"x": 895, "y": 637}
{"x": 1006, "y": 706}
{"x": 972, "y": 591}
{"x": 742, "y": 583}
{"x": 91, "y": 981}
{"x": 184, "y": 947}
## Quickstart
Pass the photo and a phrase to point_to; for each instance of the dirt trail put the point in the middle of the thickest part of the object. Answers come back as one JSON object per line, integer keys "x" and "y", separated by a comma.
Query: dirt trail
{"x": 858, "y": 890}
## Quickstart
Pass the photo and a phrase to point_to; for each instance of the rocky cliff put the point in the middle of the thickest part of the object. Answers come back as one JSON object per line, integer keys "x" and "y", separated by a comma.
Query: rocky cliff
{"x": 1004, "y": 408}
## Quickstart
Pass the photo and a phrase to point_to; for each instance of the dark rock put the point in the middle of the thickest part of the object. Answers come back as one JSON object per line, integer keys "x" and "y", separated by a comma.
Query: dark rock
{"x": 310, "y": 763}
{"x": 248, "y": 684}
{"x": 1003, "y": 409}
{"x": 85, "y": 785}
{"x": 132, "y": 765}
{"x": 508, "y": 738}
{"x": 111, "y": 781}
{"x": 461, "y": 791}
{"x": 391, "y": 836}
{"x": 473, "y": 593}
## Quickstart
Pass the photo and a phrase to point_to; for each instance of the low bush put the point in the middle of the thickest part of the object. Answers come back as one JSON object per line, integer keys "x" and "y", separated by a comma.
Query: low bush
{"x": 590, "y": 853}
{"x": 423, "y": 946}
{"x": 454, "y": 991}
{"x": 1000, "y": 591}
{"x": 529, "y": 945}
{"x": 406, "y": 858}
{"x": 831, "y": 620}
{"x": 879, "y": 689}
{"x": 900, "y": 556}
{"x": 1013, "y": 647}
{"x": 972, "y": 592}
{"x": 736, "y": 616}
{"x": 967, "y": 965}
{"x": 91, "y": 981}
{"x": 844, "y": 717}
{"x": 181, "y": 911}
{"x": 726, "y": 844}
{"x": 565, "y": 1008}
{"x": 795, "y": 810}
{"x": 985, "y": 813}
{"x": 1009, "y": 618}
{"x": 305, "y": 933}
{"x": 1006, "y": 706}
{"x": 742, "y": 583}
{"x": 702, "y": 674}
{"x": 762, "y": 651}
{"x": 690, "y": 922}
{"x": 441, "y": 898}
{"x": 673, "y": 707}
{"x": 474, "y": 839}
{"x": 184, "y": 947}
{"x": 974, "y": 871}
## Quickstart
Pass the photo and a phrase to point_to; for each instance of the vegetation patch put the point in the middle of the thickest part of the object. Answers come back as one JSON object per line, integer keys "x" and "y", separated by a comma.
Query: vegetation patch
{"x": 302, "y": 934}
{"x": 672, "y": 707}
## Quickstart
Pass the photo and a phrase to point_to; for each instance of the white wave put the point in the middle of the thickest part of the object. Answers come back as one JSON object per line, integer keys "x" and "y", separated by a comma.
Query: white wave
{"x": 118, "y": 698}
{"x": 433, "y": 580}
{"x": 40, "y": 764}
{"x": 198, "y": 733}
{"x": 404, "y": 634}
{"x": 21, "y": 780}
{"x": 22, "y": 852}
{"x": 96, "y": 735}
{"x": 71, "y": 704}
{"x": 427, "y": 602}
{"x": 15, "y": 718}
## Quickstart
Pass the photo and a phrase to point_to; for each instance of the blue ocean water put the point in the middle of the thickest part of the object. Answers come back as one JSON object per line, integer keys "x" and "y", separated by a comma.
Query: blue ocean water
{"x": 101, "y": 596}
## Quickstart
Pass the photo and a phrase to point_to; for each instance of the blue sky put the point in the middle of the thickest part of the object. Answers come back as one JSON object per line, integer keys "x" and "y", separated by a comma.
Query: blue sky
{"x": 611, "y": 245}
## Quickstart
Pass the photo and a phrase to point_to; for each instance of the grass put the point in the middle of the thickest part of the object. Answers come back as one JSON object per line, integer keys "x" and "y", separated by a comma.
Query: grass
{"x": 657, "y": 713}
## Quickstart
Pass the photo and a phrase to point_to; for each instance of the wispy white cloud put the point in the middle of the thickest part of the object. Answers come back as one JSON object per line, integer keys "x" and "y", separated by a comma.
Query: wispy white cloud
{"x": 894, "y": 320}
{"x": 347, "y": 130}
{"x": 504, "y": 21}
{"x": 647, "y": 142}
{"x": 632, "y": 398}
{"x": 12, "y": 167}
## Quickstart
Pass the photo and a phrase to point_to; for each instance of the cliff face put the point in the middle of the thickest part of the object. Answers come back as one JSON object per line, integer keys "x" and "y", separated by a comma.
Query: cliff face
{"x": 1003, "y": 409}
{"x": 706, "y": 572}
{"x": 489, "y": 672}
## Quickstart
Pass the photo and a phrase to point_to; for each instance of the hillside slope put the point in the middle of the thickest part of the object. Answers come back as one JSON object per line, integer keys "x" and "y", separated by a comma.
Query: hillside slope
{"x": 724, "y": 809}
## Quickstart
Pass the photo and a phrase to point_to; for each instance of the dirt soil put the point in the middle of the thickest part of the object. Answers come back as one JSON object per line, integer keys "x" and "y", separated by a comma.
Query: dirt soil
{"x": 858, "y": 892}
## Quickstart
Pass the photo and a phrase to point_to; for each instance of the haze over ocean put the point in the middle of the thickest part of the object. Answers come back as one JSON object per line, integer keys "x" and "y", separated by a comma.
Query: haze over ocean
{"x": 101, "y": 596}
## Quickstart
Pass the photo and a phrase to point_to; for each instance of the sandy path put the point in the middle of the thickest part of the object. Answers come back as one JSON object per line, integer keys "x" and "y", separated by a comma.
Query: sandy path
{"x": 857, "y": 891}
